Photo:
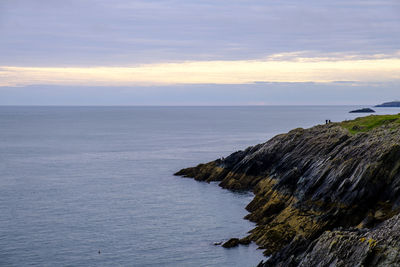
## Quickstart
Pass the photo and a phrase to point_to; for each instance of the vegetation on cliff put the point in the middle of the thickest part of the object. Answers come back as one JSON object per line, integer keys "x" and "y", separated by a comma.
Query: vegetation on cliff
{"x": 310, "y": 182}
{"x": 365, "y": 124}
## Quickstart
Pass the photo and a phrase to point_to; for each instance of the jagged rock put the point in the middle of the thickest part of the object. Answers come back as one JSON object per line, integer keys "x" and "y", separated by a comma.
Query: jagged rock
{"x": 233, "y": 242}
{"x": 245, "y": 241}
{"x": 309, "y": 182}
{"x": 377, "y": 247}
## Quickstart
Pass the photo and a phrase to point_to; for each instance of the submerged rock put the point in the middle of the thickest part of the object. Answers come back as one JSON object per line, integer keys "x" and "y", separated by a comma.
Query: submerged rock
{"x": 312, "y": 187}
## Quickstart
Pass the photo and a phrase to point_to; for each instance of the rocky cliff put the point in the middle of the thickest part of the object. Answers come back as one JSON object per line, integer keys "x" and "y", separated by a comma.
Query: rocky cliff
{"x": 324, "y": 195}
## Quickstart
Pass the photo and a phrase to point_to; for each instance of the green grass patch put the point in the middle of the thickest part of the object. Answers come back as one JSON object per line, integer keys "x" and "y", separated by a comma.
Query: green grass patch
{"x": 365, "y": 124}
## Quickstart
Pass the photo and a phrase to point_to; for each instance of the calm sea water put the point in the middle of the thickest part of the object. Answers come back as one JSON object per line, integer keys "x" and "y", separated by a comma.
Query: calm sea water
{"x": 76, "y": 180}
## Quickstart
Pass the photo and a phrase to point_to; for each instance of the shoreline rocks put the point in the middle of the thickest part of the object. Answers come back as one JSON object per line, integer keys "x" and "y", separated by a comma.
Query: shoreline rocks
{"x": 233, "y": 242}
{"x": 309, "y": 182}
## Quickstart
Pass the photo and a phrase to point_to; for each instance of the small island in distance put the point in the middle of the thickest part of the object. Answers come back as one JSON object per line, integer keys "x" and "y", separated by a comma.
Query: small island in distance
{"x": 363, "y": 110}
{"x": 392, "y": 104}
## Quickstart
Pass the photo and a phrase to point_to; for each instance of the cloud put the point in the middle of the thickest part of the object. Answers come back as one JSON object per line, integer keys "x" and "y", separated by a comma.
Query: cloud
{"x": 125, "y": 32}
{"x": 182, "y": 44}
{"x": 295, "y": 69}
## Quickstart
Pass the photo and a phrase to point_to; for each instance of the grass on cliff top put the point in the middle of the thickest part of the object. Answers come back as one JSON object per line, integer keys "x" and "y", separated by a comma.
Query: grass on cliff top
{"x": 365, "y": 124}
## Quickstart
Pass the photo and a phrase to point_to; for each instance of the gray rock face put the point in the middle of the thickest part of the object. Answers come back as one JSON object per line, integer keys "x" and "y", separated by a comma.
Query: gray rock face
{"x": 310, "y": 182}
{"x": 378, "y": 247}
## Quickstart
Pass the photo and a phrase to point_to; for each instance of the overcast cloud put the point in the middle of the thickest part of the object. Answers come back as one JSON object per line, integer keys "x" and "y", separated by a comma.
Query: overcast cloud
{"x": 130, "y": 33}
{"x": 123, "y": 32}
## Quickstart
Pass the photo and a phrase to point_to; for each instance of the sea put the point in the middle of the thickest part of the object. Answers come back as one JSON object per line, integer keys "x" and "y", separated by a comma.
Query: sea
{"x": 94, "y": 186}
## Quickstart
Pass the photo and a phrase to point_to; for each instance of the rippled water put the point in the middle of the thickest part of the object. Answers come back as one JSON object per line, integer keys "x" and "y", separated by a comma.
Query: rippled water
{"x": 76, "y": 180}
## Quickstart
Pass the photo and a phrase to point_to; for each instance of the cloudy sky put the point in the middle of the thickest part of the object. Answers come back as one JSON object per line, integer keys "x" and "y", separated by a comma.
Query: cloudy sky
{"x": 199, "y": 52}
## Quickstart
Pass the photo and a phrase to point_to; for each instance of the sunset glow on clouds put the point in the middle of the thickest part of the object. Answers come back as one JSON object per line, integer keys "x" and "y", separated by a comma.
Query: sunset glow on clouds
{"x": 273, "y": 69}
{"x": 179, "y": 51}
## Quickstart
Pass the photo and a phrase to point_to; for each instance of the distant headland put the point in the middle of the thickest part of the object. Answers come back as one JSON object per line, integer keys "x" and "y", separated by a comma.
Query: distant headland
{"x": 395, "y": 104}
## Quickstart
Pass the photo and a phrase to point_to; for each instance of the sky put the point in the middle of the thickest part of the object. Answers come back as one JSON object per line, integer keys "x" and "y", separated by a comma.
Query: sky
{"x": 192, "y": 52}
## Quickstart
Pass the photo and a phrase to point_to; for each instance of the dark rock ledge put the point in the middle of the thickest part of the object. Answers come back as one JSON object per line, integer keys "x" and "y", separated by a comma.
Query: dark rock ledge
{"x": 323, "y": 196}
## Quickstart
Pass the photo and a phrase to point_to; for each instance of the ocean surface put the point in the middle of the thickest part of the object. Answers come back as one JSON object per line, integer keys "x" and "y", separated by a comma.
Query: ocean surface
{"x": 78, "y": 180}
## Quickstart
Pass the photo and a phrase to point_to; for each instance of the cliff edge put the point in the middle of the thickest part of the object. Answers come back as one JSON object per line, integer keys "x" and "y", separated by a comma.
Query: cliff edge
{"x": 324, "y": 195}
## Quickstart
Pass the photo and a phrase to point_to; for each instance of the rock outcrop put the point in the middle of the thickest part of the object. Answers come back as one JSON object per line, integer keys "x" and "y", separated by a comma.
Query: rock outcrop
{"x": 354, "y": 247}
{"x": 233, "y": 242}
{"x": 363, "y": 110}
{"x": 323, "y": 195}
